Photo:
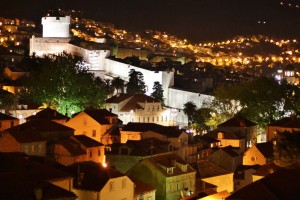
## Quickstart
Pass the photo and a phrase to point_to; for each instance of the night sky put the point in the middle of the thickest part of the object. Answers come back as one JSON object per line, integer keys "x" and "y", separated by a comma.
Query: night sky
{"x": 197, "y": 20}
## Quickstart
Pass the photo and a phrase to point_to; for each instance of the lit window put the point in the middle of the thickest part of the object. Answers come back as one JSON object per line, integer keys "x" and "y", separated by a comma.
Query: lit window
{"x": 253, "y": 158}
{"x": 111, "y": 186}
{"x": 170, "y": 170}
{"x": 36, "y": 148}
{"x": 124, "y": 181}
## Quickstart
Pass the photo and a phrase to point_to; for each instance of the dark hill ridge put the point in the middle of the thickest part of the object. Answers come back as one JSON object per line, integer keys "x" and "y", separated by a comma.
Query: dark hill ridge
{"x": 198, "y": 20}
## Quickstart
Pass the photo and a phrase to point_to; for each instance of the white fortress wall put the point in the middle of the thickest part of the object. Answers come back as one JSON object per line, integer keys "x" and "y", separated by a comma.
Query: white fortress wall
{"x": 42, "y": 46}
{"x": 177, "y": 98}
{"x": 118, "y": 69}
{"x": 95, "y": 58}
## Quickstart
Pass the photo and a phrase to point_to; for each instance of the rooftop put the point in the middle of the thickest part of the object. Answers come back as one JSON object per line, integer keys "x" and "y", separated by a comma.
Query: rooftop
{"x": 282, "y": 184}
{"x": 94, "y": 176}
{"x": 238, "y": 121}
{"x": 6, "y": 117}
{"x": 266, "y": 149}
{"x": 48, "y": 114}
{"x": 169, "y": 131}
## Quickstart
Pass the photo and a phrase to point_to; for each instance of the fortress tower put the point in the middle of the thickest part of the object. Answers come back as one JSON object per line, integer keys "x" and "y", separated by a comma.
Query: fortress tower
{"x": 56, "y": 26}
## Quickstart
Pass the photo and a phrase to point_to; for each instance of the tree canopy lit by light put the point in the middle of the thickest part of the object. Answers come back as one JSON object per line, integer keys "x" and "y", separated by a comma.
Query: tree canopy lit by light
{"x": 61, "y": 81}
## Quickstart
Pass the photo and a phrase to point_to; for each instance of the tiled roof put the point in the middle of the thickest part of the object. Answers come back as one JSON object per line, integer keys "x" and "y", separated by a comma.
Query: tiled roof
{"x": 27, "y": 136}
{"x": 267, "y": 169}
{"x": 87, "y": 142}
{"x": 100, "y": 115}
{"x": 230, "y": 151}
{"x": 133, "y": 101}
{"x": 48, "y": 114}
{"x": 167, "y": 161}
{"x": 226, "y": 135}
{"x": 118, "y": 98}
{"x": 205, "y": 138}
{"x": 237, "y": 121}
{"x": 287, "y": 122}
{"x": 282, "y": 184}
{"x": 169, "y": 131}
{"x": 145, "y": 147}
{"x": 140, "y": 187}
{"x": 132, "y": 104}
{"x": 17, "y": 163}
{"x": 266, "y": 149}
{"x": 6, "y": 117}
{"x": 72, "y": 146}
{"x": 39, "y": 126}
{"x": 94, "y": 176}
{"x": 206, "y": 169}
{"x": 239, "y": 173}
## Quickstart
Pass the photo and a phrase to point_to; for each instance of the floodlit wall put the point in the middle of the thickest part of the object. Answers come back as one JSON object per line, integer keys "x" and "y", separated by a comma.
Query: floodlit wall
{"x": 118, "y": 69}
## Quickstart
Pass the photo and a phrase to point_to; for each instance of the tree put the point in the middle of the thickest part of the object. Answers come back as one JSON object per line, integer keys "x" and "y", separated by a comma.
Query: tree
{"x": 158, "y": 92}
{"x": 189, "y": 108}
{"x": 136, "y": 84}
{"x": 262, "y": 100}
{"x": 7, "y": 100}
{"x": 287, "y": 149}
{"x": 201, "y": 115}
{"x": 118, "y": 84}
{"x": 63, "y": 82}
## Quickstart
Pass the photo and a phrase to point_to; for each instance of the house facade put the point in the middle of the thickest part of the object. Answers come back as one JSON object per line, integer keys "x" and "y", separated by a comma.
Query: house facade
{"x": 93, "y": 181}
{"x": 27, "y": 142}
{"x": 78, "y": 148}
{"x": 259, "y": 154}
{"x": 96, "y": 124}
{"x": 171, "y": 176}
{"x": 289, "y": 124}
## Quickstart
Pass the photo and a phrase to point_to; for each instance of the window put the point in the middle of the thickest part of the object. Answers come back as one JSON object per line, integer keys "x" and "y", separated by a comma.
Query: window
{"x": 91, "y": 153}
{"x": 26, "y": 149}
{"x": 157, "y": 108}
{"x": 153, "y": 108}
{"x": 148, "y": 119}
{"x": 162, "y": 118}
{"x": 143, "y": 119}
{"x": 253, "y": 158}
{"x": 36, "y": 148}
{"x": 166, "y": 118}
{"x": 124, "y": 181}
{"x": 99, "y": 152}
{"x": 94, "y": 133}
{"x": 177, "y": 186}
{"x": 170, "y": 170}
{"x": 12, "y": 123}
{"x": 157, "y": 119}
{"x": 111, "y": 186}
{"x": 84, "y": 121}
{"x": 153, "y": 119}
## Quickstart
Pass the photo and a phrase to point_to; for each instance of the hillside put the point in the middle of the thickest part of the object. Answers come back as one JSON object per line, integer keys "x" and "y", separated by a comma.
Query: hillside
{"x": 198, "y": 20}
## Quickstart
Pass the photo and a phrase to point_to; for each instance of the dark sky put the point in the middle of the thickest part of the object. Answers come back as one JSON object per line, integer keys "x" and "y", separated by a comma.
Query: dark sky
{"x": 198, "y": 20}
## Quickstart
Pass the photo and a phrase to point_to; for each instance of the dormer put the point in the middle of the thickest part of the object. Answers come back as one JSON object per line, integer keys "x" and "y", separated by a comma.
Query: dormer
{"x": 170, "y": 170}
